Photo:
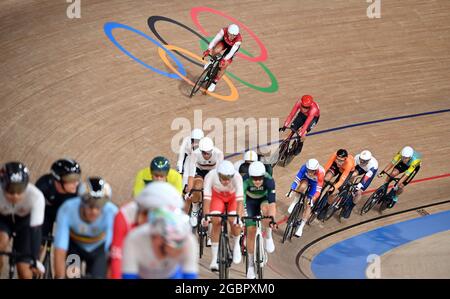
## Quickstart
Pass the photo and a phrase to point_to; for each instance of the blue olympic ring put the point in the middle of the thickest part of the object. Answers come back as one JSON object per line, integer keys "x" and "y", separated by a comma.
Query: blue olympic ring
{"x": 108, "y": 27}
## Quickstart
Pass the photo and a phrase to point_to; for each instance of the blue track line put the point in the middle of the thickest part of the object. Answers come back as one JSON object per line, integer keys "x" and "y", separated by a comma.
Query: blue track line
{"x": 353, "y": 126}
{"x": 348, "y": 258}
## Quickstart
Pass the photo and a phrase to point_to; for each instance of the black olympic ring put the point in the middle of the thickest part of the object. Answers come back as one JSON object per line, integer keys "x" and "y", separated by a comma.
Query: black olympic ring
{"x": 151, "y": 24}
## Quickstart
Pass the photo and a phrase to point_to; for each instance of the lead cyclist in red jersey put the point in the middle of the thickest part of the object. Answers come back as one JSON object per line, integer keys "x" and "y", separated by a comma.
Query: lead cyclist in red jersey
{"x": 307, "y": 114}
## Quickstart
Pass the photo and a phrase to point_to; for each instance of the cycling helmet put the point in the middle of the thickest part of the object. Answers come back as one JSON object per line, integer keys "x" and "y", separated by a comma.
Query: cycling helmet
{"x": 312, "y": 164}
{"x": 233, "y": 29}
{"x": 206, "y": 144}
{"x": 250, "y": 156}
{"x": 66, "y": 170}
{"x": 14, "y": 177}
{"x": 98, "y": 191}
{"x": 226, "y": 169}
{"x": 172, "y": 226}
{"x": 365, "y": 155}
{"x": 160, "y": 164}
{"x": 159, "y": 194}
{"x": 197, "y": 134}
{"x": 407, "y": 152}
{"x": 342, "y": 153}
{"x": 256, "y": 169}
{"x": 307, "y": 100}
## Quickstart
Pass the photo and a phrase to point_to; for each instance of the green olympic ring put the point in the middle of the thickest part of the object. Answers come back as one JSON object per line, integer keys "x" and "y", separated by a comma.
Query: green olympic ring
{"x": 274, "y": 84}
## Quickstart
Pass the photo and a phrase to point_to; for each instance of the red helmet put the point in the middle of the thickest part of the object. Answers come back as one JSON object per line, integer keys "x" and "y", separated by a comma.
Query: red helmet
{"x": 307, "y": 100}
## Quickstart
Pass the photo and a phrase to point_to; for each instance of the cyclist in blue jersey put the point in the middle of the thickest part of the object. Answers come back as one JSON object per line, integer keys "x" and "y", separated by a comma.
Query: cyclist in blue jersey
{"x": 84, "y": 227}
{"x": 310, "y": 175}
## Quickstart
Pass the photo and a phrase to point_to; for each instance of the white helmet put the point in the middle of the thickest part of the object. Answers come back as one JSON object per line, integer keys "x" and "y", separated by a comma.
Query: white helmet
{"x": 173, "y": 226}
{"x": 159, "y": 194}
{"x": 197, "y": 134}
{"x": 256, "y": 169}
{"x": 365, "y": 155}
{"x": 407, "y": 152}
{"x": 226, "y": 168}
{"x": 250, "y": 156}
{"x": 312, "y": 164}
{"x": 206, "y": 144}
{"x": 233, "y": 29}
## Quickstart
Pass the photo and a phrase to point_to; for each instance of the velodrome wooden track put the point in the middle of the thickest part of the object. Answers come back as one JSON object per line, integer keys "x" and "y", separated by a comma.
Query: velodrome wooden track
{"x": 66, "y": 90}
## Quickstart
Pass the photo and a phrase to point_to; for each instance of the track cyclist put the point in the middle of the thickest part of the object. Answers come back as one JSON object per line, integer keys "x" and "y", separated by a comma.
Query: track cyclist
{"x": 307, "y": 114}
{"x": 407, "y": 161}
{"x": 259, "y": 198}
{"x": 223, "y": 186}
{"x": 229, "y": 40}
{"x": 84, "y": 227}
{"x": 311, "y": 175}
{"x": 159, "y": 170}
{"x": 162, "y": 248}
{"x": 188, "y": 145}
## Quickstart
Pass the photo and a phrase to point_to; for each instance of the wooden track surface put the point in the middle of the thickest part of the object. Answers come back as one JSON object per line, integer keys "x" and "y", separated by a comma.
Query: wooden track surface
{"x": 66, "y": 90}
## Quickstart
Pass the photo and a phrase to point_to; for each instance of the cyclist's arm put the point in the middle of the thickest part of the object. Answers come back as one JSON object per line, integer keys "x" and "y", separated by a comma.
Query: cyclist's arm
{"x": 307, "y": 123}
{"x": 182, "y": 153}
{"x": 120, "y": 232}
{"x": 300, "y": 175}
{"x": 139, "y": 183}
{"x": 176, "y": 180}
{"x": 111, "y": 212}
{"x": 130, "y": 265}
{"x": 61, "y": 242}
{"x": 233, "y": 50}
{"x": 330, "y": 162}
{"x": 192, "y": 168}
{"x": 412, "y": 167}
{"x": 394, "y": 161}
{"x": 36, "y": 220}
{"x": 348, "y": 167}
{"x": 189, "y": 265}
{"x": 216, "y": 39}
{"x": 220, "y": 157}
{"x": 292, "y": 114}
{"x": 320, "y": 179}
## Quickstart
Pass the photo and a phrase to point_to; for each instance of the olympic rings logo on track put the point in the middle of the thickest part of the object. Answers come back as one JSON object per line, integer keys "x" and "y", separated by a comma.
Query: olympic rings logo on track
{"x": 178, "y": 70}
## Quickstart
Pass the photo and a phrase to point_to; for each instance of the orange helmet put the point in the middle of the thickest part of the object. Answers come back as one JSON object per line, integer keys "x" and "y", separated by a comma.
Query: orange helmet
{"x": 307, "y": 100}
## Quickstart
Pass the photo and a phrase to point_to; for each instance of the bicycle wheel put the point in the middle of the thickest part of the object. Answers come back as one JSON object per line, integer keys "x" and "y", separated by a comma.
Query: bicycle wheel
{"x": 201, "y": 239}
{"x": 200, "y": 81}
{"x": 282, "y": 154}
{"x": 223, "y": 257}
{"x": 330, "y": 211}
{"x": 48, "y": 266}
{"x": 290, "y": 223}
{"x": 259, "y": 257}
{"x": 373, "y": 199}
{"x": 384, "y": 204}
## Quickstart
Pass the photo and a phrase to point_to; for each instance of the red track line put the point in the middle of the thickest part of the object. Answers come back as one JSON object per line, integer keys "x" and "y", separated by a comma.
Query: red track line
{"x": 372, "y": 190}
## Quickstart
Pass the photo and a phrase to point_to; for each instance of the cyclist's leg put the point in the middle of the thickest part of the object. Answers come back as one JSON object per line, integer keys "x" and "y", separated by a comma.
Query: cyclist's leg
{"x": 195, "y": 199}
{"x": 296, "y": 124}
{"x": 216, "y": 206}
{"x": 5, "y": 234}
{"x": 233, "y": 207}
{"x": 253, "y": 209}
{"x": 96, "y": 263}
{"x": 268, "y": 208}
{"x": 301, "y": 188}
{"x": 401, "y": 187}
{"x": 22, "y": 244}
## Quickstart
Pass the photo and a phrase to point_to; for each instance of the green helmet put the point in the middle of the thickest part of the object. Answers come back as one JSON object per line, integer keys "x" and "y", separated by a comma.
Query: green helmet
{"x": 160, "y": 164}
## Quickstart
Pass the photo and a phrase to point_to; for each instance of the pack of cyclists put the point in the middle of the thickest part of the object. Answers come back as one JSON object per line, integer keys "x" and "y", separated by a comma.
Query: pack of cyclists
{"x": 151, "y": 235}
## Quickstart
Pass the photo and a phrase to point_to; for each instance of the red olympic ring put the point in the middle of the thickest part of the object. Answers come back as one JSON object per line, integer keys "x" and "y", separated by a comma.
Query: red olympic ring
{"x": 194, "y": 15}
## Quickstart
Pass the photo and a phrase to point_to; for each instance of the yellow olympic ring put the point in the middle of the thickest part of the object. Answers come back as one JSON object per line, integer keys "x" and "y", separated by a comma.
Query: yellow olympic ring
{"x": 233, "y": 96}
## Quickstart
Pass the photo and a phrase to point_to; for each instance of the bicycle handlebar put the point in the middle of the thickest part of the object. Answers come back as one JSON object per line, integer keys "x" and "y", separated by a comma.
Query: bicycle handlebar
{"x": 16, "y": 255}
{"x": 259, "y": 218}
{"x": 223, "y": 216}
{"x": 391, "y": 177}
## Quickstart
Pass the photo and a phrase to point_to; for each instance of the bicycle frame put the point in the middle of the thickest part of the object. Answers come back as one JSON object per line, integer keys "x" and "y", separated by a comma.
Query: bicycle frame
{"x": 283, "y": 150}
{"x": 259, "y": 252}
{"x": 224, "y": 259}
{"x": 207, "y": 76}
